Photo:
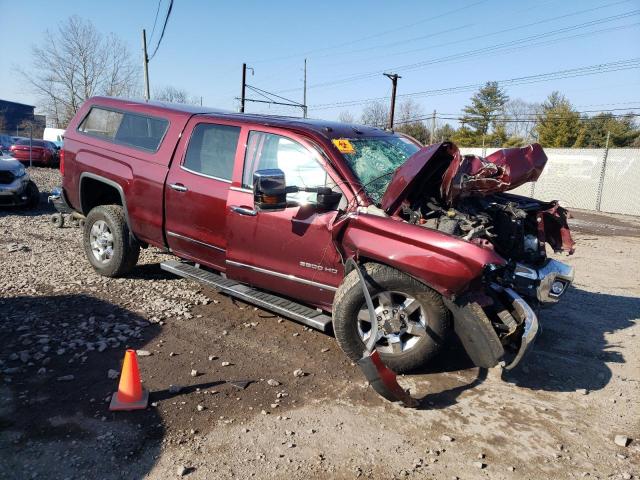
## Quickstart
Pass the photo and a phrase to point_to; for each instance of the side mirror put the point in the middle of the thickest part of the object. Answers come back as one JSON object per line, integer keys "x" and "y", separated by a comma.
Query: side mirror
{"x": 327, "y": 198}
{"x": 269, "y": 189}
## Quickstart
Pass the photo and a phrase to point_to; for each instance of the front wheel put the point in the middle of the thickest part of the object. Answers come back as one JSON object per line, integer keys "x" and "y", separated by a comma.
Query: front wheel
{"x": 412, "y": 319}
{"x": 33, "y": 195}
{"x": 108, "y": 244}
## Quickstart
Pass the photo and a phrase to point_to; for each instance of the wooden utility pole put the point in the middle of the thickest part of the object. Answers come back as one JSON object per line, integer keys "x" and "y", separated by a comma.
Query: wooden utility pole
{"x": 244, "y": 83}
{"x": 145, "y": 60}
{"x": 304, "y": 96}
{"x": 433, "y": 127}
{"x": 394, "y": 83}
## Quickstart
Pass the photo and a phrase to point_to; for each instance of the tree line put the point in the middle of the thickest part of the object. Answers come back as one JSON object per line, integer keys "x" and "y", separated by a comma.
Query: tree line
{"x": 492, "y": 119}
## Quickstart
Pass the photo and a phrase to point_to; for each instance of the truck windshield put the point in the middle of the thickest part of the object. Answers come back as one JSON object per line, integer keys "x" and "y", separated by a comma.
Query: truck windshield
{"x": 374, "y": 159}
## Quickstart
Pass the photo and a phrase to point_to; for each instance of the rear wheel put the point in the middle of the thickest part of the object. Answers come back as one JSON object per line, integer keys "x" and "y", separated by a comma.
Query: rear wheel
{"x": 412, "y": 319}
{"x": 108, "y": 244}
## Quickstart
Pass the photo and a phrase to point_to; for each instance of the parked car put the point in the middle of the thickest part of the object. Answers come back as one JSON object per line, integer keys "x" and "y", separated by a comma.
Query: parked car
{"x": 43, "y": 152}
{"x": 16, "y": 188}
{"x": 53, "y": 146}
{"x": 269, "y": 209}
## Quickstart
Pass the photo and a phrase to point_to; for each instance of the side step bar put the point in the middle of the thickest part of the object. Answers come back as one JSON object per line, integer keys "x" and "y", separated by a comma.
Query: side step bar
{"x": 282, "y": 306}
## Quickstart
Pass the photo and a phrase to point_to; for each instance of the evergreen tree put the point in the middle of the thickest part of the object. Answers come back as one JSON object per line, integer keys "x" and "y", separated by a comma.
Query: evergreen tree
{"x": 486, "y": 104}
{"x": 593, "y": 133}
{"x": 558, "y": 124}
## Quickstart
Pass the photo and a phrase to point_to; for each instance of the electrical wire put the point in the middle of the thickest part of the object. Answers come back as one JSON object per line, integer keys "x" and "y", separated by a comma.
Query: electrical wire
{"x": 369, "y": 37}
{"x": 518, "y": 43}
{"x": 473, "y": 38}
{"x": 556, "y": 75}
{"x": 155, "y": 20}
{"x": 164, "y": 27}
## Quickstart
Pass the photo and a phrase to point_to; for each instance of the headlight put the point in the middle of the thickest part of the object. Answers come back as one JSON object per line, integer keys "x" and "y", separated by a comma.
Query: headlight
{"x": 20, "y": 172}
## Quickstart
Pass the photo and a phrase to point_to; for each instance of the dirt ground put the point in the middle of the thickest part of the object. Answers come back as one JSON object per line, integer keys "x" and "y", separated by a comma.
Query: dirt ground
{"x": 62, "y": 328}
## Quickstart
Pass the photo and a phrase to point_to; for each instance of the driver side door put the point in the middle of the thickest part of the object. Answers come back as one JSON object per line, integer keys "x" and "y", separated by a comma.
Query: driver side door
{"x": 291, "y": 251}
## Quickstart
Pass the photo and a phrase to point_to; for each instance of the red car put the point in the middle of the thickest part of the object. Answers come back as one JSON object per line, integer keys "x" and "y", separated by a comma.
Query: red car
{"x": 42, "y": 152}
{"x": 273, "y": 210}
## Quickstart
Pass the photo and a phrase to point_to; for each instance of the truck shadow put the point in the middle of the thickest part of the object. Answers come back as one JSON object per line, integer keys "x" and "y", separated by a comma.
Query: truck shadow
{"x": 54, "y": 417}
{"x": 572, "y": 351}
{"x": 570, "y": 354}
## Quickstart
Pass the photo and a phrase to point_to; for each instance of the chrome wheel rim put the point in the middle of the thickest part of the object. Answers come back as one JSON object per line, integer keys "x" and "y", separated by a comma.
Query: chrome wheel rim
{"x": 101, "y": 241}
{"x": 402, "y": 322}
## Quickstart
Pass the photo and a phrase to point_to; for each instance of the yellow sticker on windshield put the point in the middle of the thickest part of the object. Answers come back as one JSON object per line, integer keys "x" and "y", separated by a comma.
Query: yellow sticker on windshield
{"x": 344, "y": 145}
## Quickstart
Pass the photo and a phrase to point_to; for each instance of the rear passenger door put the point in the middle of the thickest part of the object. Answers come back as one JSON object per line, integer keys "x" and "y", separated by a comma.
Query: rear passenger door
{"x": 196, "y": 191}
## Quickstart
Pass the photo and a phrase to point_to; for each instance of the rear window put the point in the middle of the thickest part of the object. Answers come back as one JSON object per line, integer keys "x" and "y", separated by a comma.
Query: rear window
{"x": 212, "y": 150}
{"x": 139, "y": 131}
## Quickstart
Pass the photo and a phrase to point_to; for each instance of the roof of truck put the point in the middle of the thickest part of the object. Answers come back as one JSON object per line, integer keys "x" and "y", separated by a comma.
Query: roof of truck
{"x": 325, "y": 128}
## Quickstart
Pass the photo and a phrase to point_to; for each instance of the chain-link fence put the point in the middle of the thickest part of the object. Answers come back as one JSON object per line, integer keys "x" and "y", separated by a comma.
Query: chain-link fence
{"x": 606, "y": 180}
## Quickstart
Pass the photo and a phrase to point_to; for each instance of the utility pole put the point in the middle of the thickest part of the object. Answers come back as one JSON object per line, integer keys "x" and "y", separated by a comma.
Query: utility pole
{"x": 304, "y": 97}
{"x": 145, "y": 60}
{"x": 433, "y": 127}
{"x": 394, "y": 82}
{"x": 244, "y": 83}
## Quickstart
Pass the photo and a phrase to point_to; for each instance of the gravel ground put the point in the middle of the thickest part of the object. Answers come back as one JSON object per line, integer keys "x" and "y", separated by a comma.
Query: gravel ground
{"x": 63, "y": 328}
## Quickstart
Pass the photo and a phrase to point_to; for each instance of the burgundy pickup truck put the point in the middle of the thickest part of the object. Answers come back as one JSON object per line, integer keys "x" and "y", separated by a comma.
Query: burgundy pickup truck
{"x": 271, "y": 209}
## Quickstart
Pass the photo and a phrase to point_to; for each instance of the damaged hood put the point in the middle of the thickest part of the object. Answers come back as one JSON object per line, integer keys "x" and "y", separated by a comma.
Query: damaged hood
{"x": 451, "y": 176}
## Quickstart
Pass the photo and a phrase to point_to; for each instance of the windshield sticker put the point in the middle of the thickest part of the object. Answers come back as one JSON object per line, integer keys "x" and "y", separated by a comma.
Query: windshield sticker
{"x": 344, "y": 145}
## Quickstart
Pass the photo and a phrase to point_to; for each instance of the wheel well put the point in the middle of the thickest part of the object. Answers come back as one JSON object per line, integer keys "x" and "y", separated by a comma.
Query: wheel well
{"x": 94, "y": 192}
{"x": 362, "y": 260}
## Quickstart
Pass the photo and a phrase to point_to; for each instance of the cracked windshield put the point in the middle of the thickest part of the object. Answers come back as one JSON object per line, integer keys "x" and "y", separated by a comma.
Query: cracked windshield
{"x": 375, "y": 159}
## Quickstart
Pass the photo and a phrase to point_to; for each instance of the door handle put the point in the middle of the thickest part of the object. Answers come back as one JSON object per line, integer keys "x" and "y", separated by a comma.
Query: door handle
{"x": 178, "y": 187}
{"x": 244, "y": 211}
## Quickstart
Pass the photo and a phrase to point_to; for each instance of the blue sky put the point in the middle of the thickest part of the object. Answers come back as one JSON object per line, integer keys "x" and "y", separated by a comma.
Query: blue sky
{"x": 206, "y": 43}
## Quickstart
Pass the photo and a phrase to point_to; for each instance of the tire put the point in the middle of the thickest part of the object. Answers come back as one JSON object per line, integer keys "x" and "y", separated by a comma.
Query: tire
{"x": 33, "y": 195}
{"x": 108, "y": 244}
{"x": 349, "y": 301}
{"x": 57, "y": 220}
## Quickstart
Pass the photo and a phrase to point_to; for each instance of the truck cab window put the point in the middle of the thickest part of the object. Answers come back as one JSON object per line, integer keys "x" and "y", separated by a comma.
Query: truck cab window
{"x": 266, "y": 150}
{"x": 212, "y": 150}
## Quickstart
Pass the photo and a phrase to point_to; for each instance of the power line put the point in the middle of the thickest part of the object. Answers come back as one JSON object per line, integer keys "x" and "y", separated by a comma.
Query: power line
{"x": 155, "y": 20}
{"x": 512, "y": 120}
{"x": 518, "y": 43}
{"x": 164, "y": 27}
{"x": 559, "y": 74}
{"x": 467, "y": 39}
{"x": 375, "y": 35}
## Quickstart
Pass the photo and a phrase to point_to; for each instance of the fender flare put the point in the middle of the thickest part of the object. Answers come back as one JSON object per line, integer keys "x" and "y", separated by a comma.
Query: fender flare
{"x": 109, "y": 182}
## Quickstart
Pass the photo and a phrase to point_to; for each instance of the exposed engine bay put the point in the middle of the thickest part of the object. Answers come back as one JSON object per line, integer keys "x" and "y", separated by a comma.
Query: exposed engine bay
{"x": 507, "y": 223}
{"x": 463, "y": 195}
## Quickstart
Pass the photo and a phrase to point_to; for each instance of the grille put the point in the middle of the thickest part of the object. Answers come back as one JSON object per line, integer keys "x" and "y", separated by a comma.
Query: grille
{"x": 6, "y": 177}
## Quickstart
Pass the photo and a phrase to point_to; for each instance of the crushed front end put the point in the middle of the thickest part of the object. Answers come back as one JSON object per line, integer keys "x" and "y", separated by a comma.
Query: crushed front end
{"x": 465, "y": 196}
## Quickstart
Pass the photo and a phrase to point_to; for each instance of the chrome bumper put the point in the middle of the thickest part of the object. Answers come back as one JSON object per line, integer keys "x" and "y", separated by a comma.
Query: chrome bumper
{"x": 531, "y": 327}
{"x": 550, "y": 281}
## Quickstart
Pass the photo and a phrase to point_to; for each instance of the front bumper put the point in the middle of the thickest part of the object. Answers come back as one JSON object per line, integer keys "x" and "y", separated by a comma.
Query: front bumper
{"x": 14, "y": 193}
{"x": 531, "y": 326}
{"x": 547, "y": 283}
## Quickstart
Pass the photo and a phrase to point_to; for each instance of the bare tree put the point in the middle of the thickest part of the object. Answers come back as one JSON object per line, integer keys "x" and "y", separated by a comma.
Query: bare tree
{"x": 174, "y": 95}
{"x": 346, "y": 117}
{"x": 522, "y": 116}
{"x": 409, "y": 111}
{"x": 375, "y": 114}
{"x": 76, "y": 62}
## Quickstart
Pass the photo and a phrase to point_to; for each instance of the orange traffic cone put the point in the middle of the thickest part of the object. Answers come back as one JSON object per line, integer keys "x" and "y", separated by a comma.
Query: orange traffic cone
{"x": 130, "y": 394}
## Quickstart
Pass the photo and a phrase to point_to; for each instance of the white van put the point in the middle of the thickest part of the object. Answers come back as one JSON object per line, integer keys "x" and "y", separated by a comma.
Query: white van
{"x": 55, "y": 135}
